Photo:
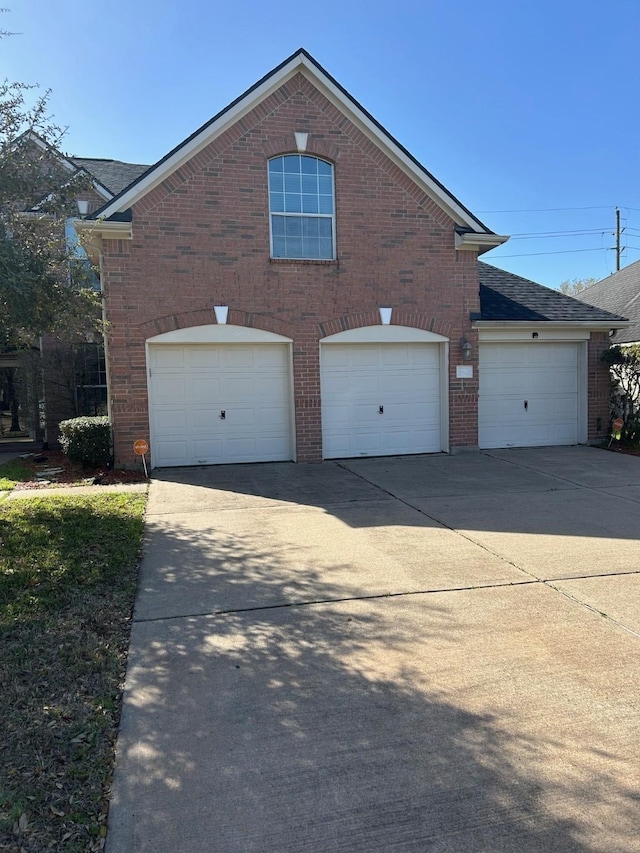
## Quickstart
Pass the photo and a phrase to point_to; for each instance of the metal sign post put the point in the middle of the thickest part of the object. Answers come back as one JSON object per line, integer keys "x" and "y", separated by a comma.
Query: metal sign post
{"x": 616, "y": 427}
{"x": 140, "y": 447}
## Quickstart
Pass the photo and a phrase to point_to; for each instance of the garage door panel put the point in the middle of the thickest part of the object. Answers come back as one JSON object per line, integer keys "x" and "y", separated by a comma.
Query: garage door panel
{"x": 357, "y": 379}
{"x": 198, "y": 357}
{"x": 203, "y": 389}
{"x": 169, "y": 389}
{"x": 173, "y": 451}
{"x": 528, "y": 394}
{"x": 395, "y": 356}
{"x": 169, "y": 421}
{"x": 190, "y": 385}
{"x": 167, "y": 358}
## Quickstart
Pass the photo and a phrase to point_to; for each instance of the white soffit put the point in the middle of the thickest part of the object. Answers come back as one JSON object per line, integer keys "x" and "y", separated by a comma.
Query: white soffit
{"x": 522, "y": 335}
{"x": 299, "y": 62}
{"x": 213, "y": 334}
{"x": 384, "y": 335}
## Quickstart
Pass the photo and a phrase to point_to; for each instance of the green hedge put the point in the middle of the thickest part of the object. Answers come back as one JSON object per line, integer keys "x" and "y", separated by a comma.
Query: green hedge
{"x": 87, "y": 440}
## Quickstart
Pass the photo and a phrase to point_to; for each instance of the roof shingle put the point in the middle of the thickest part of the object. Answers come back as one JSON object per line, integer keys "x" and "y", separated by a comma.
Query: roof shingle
{"x": 505, "y": 296}
{"x": 112, "y": 174}
{"x": 620, "y": 293}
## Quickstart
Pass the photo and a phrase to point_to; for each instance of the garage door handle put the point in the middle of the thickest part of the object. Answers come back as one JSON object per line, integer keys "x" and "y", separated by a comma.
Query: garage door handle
{"x": 223, "y": 414}
{"x": 526, "y": 405}
{"x": 381, "y": 410}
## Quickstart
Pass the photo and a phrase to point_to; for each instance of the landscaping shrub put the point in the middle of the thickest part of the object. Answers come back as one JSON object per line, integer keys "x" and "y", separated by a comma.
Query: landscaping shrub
{"x": 87, "y": 440}
{"x": 624, "y": 365}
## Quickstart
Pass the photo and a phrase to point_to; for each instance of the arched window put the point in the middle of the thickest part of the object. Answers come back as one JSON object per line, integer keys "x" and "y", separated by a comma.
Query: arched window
{"x": 301, "y": 208}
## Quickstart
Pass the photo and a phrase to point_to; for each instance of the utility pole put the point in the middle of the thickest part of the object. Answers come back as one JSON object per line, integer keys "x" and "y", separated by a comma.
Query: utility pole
{"x": 619, "y": 249}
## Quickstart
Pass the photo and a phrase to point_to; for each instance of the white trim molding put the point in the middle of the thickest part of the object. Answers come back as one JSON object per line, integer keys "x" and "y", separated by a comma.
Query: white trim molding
{"x": 480, "y": 243}
{"x": 301, "y": 141}
{"x": 302, "y": 63}
{"x": 385, "y": 315}
{"x": 544, "y": 325}
{"x": 385, "y": 335}
{"x": 221, "y": 312}
{"x": 218, "y": 334}
{"x": 532, "y": 335}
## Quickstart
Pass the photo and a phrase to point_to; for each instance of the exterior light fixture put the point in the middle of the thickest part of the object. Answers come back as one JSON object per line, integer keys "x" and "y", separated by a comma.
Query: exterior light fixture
{"x": 466, "y": 348}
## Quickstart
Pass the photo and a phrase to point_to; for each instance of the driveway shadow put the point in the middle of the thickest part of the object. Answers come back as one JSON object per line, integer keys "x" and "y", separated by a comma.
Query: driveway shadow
{"x": 421, "y": 724}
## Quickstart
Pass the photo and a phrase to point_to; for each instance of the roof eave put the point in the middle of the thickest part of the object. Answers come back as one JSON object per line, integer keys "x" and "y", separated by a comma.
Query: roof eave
{"x": 104, "y": 229}
{"x": 595, "y": 325}
{"x": 474, "y": 242}
{"x": 339, "y": 97}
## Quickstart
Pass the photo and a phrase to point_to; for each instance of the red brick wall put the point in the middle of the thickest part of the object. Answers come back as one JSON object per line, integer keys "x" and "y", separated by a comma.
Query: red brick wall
{"x": 599, "y": 387}
{"x": 201, "y": 238}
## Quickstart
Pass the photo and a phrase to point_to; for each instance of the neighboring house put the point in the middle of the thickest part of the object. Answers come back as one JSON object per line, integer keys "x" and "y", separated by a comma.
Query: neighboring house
{"x": 290, "y": 283}
{"x": 620, "y": 294}
{"x": 65, "y": 378}
{"x": 74, "y": 372}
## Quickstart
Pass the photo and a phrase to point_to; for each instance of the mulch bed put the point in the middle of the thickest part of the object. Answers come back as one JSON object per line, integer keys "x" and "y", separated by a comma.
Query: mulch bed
{"x": 620, "y": 448}
{"x": 72, "y": 474}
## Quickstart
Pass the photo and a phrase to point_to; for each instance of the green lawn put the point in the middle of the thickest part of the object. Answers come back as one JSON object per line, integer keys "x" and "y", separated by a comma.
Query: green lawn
{"x": 12, "y": 473}
{"x": 68, "y": 569}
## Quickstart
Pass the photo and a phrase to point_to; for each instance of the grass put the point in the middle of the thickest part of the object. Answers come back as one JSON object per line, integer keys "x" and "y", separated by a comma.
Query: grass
{"x": 12, "y": 473}
{"x": 68, "y": 569}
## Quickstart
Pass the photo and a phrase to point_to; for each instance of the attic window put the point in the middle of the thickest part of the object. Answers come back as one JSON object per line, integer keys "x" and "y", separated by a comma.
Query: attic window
{"x": 301, "y": 208}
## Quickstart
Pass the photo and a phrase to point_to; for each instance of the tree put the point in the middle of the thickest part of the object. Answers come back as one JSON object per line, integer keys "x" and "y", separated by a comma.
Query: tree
{"x": 576, "y": 285}
{"x": 44, "y": 285}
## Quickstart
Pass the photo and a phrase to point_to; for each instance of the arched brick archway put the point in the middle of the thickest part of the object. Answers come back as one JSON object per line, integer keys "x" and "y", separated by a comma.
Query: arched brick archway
{"x": 206, "y": 317}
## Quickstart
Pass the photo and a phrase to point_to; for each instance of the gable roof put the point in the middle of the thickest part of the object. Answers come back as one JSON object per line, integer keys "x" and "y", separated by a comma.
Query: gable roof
{"x": 112, "y": 174}
{"x": 302, "y": 62}
{"x": 619, "y": 292}
{"x": 505, "y": 296}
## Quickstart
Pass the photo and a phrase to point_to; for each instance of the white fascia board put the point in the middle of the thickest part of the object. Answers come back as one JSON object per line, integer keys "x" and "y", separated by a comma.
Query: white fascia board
{"x": 186, "y": 152}
{"x": 105, "y": 230}
{"x": 70, "y": 166}
{"x": 596, "y": 326}
{"x": 100, "y": 189}
{"x": 335, "y": 96}
{"x": 479, "y": 242}
{"x": 393, "y": 151}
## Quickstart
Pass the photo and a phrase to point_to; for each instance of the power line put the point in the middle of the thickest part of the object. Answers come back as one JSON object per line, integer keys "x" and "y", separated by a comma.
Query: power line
{"x": 551, "y": 209}
{"x": 548, "y": 235}
{"x": 561, "y": 252}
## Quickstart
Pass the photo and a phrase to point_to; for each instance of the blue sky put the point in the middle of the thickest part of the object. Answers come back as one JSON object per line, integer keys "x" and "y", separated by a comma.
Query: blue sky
{"x": 527, "y": 112}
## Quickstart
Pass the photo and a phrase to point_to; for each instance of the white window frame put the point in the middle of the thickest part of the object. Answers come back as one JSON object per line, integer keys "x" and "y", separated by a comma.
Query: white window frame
{"x": 331, "y": 216}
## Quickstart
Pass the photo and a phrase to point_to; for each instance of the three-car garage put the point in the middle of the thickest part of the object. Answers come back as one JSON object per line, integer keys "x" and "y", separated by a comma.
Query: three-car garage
{"x": 225, "y": 394}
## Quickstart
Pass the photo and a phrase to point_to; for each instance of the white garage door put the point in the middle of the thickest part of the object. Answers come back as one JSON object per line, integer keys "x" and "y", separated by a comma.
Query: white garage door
{"x": 215, "y": 403}
{"x": 529, "y": 394}
{"x": 380, "y": 399}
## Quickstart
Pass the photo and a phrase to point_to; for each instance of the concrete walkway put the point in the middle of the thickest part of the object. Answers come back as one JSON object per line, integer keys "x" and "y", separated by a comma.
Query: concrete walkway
{"x": 419, "y": 654}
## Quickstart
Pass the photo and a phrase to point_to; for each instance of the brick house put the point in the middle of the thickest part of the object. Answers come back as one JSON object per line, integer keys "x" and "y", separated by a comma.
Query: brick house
{"x": 290, "y": 283}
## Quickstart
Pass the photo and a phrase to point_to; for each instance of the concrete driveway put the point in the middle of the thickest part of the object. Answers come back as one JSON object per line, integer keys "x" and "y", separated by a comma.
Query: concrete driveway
{"x": 412, "y": 654}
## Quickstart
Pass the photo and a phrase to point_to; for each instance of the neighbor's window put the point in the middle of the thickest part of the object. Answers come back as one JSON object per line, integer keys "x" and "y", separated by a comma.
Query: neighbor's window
{"x": 81, "y": 269}
{"x": 301, "y": 208}
{"x": 91, "y": 379}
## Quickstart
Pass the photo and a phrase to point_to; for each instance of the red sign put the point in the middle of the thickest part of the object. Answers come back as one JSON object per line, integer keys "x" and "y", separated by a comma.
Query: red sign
{"x": 617, "y": 424}
{"x": 140, "y": 447}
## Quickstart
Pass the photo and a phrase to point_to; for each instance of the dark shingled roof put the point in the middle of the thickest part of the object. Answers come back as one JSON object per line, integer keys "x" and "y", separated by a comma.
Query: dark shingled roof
{"x": 620, "y": 293}
{"x": 113, "y": 174}
{"x": 505, "y": 296}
